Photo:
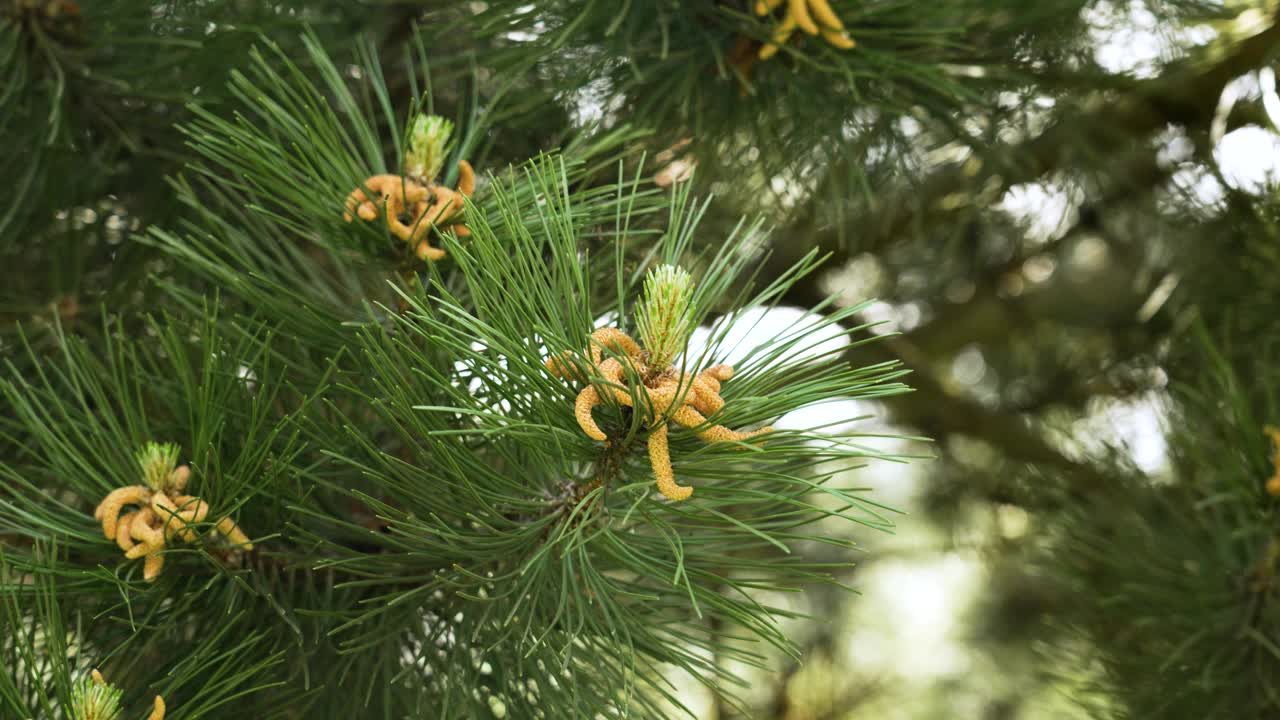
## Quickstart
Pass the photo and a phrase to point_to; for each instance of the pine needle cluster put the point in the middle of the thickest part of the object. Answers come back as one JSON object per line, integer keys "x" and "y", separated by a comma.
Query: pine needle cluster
{"x": 441, "y": 538}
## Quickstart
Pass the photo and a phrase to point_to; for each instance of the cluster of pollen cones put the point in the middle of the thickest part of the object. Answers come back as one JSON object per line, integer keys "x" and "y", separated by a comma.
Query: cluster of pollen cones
{"x": 412, "y": 208}
{"x": 159, "y": 518}
{"x": 672, "y": 396}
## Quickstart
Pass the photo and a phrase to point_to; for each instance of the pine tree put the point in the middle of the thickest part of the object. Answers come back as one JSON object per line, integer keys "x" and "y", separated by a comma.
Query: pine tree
{"x": 385, "y": 361}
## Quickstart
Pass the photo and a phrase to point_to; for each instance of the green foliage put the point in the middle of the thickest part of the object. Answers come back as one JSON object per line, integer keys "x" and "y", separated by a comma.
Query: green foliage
{"x": 1182, "y": 623}
{"x": 542, "y": 541}
{"x": 89, "y": 96}
{"x": 83, "y": 91}
{"x": 51, "y": 635}
{"x": 689, "y": 69}
{"x": 268, "y": 197}
{"x": 434, "y": 532}
{"x": 82, "y": 420}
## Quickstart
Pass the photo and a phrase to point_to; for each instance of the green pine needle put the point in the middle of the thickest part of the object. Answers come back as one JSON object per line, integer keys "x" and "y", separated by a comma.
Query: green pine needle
{"x": 390, "y": 429}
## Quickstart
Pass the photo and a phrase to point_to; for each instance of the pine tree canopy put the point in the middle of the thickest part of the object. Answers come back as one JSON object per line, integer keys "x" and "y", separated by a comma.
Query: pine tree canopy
{"x": 724, "y": 359}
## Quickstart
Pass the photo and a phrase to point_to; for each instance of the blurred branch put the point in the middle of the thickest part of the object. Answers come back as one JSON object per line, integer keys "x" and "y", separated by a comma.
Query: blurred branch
{"x": 938, "y": 411}
{"x": 844, "y": 701}
{"x": 1109, "y": 125}
{"x": 990, "y": 315}
{"x": 1182, "y": 95}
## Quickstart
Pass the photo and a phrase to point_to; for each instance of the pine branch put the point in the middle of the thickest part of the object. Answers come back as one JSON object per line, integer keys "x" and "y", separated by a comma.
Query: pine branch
{"x": 1100, "y": 130}
{"x": 990, "y": 315}
{"x": 938, "y": 411}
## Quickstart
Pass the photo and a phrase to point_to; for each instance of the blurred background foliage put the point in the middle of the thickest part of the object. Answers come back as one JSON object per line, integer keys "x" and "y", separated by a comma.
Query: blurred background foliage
{"x": 1066, "y": 211}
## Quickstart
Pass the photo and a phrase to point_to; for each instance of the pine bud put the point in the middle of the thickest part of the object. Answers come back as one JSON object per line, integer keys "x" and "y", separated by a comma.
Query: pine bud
{"x": 428, "y": 141}
{"x": 665, "y": 318}
{"x": 158, "y": 461}
{"x": 93, "y": 699}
